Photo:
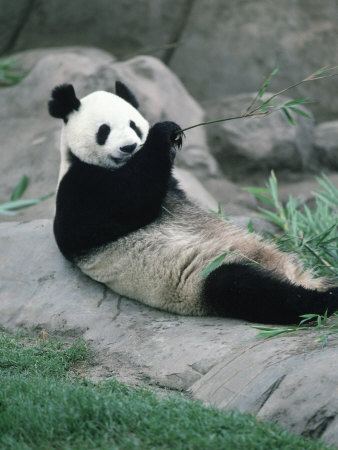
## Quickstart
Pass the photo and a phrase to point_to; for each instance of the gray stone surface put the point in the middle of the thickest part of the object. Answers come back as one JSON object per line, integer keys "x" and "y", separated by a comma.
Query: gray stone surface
{"x": 220, "y": 48}
{"x": 290, "y": 380}
{"x": 121, "y": 27}
{"x": 257, "y": 145}
{"x": 326, "y": 144}
{"x": 229, "y": 48}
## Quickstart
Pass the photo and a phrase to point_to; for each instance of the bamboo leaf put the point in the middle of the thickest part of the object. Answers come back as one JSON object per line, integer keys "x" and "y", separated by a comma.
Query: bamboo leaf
{"x": 273, "y": 218}
{"x": 20, "y": 188}
{"x": 268, "y": 81}
{"x": 301, "y": 113}
{"x": 250, "y": 226}
{"x": 299, "y": 101}
{"x": 288, "y": 116}
{"x": 213, "y": 265}
{"x": 17, "y": 204}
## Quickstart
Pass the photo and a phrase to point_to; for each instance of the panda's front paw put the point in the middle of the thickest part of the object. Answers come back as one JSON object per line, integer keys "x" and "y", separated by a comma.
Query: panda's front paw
{"x": 170, "y": 133}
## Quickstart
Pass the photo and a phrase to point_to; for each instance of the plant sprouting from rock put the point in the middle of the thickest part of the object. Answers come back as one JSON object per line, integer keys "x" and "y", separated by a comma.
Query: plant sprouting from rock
{"x": 321, "y": 324}
{"x": 15, "y": 202}
{"x": 9, "y": 72}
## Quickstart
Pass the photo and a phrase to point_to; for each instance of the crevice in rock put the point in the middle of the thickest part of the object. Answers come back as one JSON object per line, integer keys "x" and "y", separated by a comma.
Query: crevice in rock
{"x": 105, "y": 291}
{"x": 178, "y": 31}
{"x": 21, "y": 23}
{"x": 118, "y": 307}
{"x": 267, "y": 394}
{"x": 318, "y": 424}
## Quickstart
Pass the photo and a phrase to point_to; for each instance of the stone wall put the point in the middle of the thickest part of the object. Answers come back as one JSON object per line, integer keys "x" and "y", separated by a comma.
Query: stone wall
{"x": 222, "y": 48}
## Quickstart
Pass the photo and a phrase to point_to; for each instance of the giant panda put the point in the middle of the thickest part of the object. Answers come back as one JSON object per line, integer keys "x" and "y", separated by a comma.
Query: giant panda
{"x": 122, "y": 218}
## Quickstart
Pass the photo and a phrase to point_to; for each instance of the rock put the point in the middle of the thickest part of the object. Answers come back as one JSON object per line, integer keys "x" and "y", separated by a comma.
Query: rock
{"x": 291, "y": 380}
{"x": 217, "y": 51}
{"x": 195, "y": 190}
{"x": 275, "y": 381}
{"x": 257, "y": 145}
{"x": 122, "y": 28}
{"x": 230, "y": 50}
{"x": 30, "y": 137}
{"x": 326, "y": 144}
{"x": 26, "y": 60}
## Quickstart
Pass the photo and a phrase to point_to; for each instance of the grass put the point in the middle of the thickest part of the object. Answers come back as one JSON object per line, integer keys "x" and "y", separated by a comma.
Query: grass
{"x": 43, "y": 407}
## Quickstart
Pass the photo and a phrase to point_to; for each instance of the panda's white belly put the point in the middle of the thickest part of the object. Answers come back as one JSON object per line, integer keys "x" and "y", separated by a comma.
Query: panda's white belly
{"x": 152, "y": 265}
{"x": 160, "y": 264}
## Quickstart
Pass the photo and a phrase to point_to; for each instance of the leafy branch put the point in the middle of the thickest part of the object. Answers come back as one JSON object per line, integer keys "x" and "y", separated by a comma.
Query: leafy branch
{"x": 259, "y": 108}
{"x": 8, "y": 208}
{"x": 324, "y": 328}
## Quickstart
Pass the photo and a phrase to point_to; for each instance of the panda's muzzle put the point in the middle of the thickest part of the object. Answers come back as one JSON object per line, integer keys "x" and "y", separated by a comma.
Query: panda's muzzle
{"x": 128, "y": 148}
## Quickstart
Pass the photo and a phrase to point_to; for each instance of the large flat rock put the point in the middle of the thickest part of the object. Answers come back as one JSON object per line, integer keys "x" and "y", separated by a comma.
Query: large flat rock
{"x": 290, "y": 380}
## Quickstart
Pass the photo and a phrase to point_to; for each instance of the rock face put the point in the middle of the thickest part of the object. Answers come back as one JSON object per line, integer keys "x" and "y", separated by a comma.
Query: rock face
{"x": 326, "y": 144}
{"x": 257, "y": 145}
{"x": 218, "y": 49}
{"x": 290, "y": 380}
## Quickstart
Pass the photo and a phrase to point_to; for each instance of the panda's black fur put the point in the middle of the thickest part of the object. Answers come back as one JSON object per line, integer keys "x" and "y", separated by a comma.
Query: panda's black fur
{"x": 123, "y": 219}
{"x": 97, "y": 205}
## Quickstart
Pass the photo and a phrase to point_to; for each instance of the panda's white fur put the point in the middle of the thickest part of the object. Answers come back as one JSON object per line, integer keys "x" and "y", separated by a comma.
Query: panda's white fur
{"x": 79, "y": 132}
{"x": 122, "y": 219}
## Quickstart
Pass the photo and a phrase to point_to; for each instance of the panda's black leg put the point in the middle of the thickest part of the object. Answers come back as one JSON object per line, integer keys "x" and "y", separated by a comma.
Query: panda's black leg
{"x": 253, "y": 294}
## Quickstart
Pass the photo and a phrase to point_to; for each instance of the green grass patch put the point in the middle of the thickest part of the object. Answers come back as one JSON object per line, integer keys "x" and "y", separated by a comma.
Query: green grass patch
{"x": 42, "y": 407}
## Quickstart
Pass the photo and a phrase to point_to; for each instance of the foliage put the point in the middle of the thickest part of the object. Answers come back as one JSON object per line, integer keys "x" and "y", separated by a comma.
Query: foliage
{"x": 321, "y": 325}
{"x": 260, "y": 108}
{"x": 9, "y": 72}
{"x": 15, "y": 202}
{"x": 312, "y": 234}
{"x": 40, "y": 407}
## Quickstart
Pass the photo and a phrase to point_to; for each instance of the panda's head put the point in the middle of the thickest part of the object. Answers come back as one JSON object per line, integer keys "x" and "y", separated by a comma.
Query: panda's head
{"x": 102, "y": 128}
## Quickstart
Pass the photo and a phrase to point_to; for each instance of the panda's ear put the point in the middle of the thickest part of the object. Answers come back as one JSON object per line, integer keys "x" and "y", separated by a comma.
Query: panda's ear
{"x": 63, "y": 101}
{"x": 122, "y": 91}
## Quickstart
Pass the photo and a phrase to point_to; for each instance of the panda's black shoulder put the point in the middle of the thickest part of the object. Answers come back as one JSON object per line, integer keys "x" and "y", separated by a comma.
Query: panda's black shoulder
{"x": 174, "y": 187}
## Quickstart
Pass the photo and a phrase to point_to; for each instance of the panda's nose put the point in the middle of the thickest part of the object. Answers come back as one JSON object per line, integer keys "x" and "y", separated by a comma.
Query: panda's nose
{"x": 128, "y": 148}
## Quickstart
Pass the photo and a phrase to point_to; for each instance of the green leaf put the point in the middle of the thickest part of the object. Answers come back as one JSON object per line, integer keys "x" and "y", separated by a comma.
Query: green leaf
{"x": 307, "y": 318}
{"x": 267, "y": 82}
{"x": 17, "y": 204}
{"x": 264, "y": 199}
{"x": 270, "y": 334}
{"x": 254, "y": 190}
{"x": 288, "y": 116}
{"x": 299, "y": 101}
{"x": 213, "y": 265}
{"x": 7, "y": 213}
{"x": 273, "y": 218}
{"x": 20, "y": 188}
{"x": 250, "y": 226}
{"x": 301, "y": 113}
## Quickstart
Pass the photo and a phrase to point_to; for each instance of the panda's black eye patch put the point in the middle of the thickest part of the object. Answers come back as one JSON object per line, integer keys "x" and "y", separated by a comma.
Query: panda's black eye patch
{"x": 102, "y": 134}
{"x": 134, "y": 127}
